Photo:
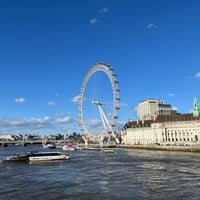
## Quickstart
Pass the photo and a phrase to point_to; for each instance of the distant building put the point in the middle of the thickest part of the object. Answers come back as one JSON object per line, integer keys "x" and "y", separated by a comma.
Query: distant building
{"x": 7, "y": 137}
{"x": 170, "y": 129}
{"x": 150, "y": 108}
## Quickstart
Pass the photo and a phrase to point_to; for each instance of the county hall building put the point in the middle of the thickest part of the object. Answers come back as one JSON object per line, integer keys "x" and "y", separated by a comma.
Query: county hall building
{"x": 159, "y": 124}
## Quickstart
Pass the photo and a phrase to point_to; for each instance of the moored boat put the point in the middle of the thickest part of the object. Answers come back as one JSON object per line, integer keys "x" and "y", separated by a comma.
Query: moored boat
{"x": 108, "y": 150}
{"x": 37, "y": 156}
{"x": 69, "y": 148}
{"x": 49, "y": 156}
{"x": 17, "y": 158}
{"x": 50, "y": 146}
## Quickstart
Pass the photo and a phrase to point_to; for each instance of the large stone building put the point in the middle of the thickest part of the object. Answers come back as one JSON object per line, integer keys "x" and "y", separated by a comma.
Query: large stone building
{"x": 173, "y": 129}
{"x": 150, "y": 108}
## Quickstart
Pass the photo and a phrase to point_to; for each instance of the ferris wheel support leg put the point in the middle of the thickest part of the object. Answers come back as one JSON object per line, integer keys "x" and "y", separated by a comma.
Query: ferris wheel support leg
{"x": 104, "y": 119}
{"x": 102, "y": 116}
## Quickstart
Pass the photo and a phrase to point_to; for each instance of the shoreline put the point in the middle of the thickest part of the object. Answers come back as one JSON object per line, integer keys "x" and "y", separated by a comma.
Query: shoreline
{"x": 162, "y": 148}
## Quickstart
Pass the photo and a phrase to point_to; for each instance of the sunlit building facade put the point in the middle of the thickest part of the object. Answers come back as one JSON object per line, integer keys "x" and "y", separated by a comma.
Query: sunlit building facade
{"x": 174, "y": 129}
{"x": 150, "y": 108}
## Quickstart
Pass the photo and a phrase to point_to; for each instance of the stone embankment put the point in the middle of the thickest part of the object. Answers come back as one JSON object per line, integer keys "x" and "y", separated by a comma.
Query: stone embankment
{"x": 163, "y": 148}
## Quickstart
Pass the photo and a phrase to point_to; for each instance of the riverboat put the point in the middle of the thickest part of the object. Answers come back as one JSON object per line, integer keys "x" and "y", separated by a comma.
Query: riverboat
{"x": 108, "y": 150}
{"x": 69, "y": 148}
{"x": 37, "y": 156}
{"x": 49, "y": 146}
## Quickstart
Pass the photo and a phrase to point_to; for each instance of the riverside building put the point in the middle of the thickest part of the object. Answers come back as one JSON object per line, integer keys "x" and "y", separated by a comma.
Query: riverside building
{"x": 150, "y": 108}
{"x": 162, "y": 125}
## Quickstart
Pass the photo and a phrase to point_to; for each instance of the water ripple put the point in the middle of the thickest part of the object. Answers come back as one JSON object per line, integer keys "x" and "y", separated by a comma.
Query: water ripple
{"x": 128, "y": 174}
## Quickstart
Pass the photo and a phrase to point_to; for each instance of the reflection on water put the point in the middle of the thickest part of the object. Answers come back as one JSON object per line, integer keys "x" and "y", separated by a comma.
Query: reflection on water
{"x": 128, "y": 174}
{"x": 160, "y": 173}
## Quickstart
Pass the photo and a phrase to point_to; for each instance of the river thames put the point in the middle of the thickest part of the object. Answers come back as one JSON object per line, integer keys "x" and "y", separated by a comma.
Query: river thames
{"x": 127, "y": 174}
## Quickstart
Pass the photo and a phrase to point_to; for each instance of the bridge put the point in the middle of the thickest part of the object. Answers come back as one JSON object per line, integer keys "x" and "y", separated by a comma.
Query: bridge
{"x": 5, "y": 143}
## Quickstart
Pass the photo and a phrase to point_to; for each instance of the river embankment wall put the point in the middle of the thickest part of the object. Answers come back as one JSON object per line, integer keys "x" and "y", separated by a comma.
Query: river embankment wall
{"x": 162, "y": 148}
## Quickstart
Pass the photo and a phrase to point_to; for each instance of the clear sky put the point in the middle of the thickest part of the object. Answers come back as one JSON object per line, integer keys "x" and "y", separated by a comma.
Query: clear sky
{"x": 47, "y": 47}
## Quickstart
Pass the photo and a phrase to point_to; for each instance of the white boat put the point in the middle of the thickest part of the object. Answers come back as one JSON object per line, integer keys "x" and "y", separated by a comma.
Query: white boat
{"x": 69, "y": 148}
{"x": 50, "y": 146}
{"x": 37, "y": 156}
{"x": 108, "y": 150}
{"x": 49, "y": 156}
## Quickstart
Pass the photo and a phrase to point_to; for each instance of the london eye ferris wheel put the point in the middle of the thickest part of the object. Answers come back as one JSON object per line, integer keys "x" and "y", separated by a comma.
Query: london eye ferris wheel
{"x": 99, "y": 102}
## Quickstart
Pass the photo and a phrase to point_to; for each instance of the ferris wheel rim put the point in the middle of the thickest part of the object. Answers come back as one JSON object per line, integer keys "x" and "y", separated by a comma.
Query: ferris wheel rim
{"x": 104, "y": 67}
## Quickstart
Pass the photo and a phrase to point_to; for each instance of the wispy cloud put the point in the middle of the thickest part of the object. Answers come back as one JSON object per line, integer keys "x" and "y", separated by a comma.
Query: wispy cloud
{"x": 51, "y": 103}
{"x": 152, "y": 26}
{"x": 197, "y": 75}
{"x": 16, "y": 125}
{"x": 170, "y": 95}
{"x": 64, "y": 120}
{"x": 20, "y": 100}
{"x": 23, "y": 122}
{"x": 75, "y": 99}
{"x": 123, "y": 104}
{"x": 103, "y": 10}
{"x": 94, "y": 125}
{"x": 93, "y": 21}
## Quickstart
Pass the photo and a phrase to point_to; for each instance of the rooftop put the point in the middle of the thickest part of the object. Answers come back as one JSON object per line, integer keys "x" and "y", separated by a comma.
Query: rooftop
{"x": 162, "y": 118}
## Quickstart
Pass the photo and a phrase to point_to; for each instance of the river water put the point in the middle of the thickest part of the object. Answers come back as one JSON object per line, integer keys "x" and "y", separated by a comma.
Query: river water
{"x": 126, "y": 174}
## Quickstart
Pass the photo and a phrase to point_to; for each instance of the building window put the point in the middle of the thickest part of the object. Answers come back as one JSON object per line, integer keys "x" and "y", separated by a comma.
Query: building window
{"x": 175, "y": 134}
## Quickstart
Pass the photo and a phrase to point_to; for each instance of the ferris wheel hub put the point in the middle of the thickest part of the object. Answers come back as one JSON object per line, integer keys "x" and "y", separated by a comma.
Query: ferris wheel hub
{"x": 98, "y": 103}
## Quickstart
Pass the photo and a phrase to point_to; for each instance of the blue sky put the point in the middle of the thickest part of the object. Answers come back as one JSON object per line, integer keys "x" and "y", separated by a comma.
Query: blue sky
{"x": 47, "y": 47}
